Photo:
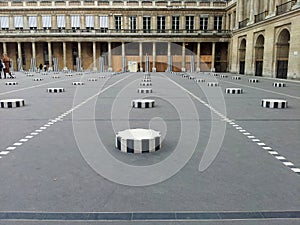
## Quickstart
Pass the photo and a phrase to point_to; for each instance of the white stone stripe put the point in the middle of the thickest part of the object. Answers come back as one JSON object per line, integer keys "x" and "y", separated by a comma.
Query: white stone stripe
{"x": 261, "y": 144}
{"x": 296, "y": 170}
{"x": 23, "y": 140}
{"x": 4, "y": 152}
{"x": 29, "y": 137}
{"x": 267, "y": 148}
{"x": 17, "y": 144}
{"x": 10, "y": 148}
{"x": 288, "y": 163}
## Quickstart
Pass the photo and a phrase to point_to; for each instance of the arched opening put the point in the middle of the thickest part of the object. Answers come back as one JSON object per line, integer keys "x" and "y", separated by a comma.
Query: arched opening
{"x": 259, "y": 55}
{"x": 242, "y": 56}
{"x": 282, "y": 57}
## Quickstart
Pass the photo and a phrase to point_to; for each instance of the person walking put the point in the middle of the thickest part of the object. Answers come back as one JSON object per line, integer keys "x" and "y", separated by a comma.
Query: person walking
{"x": 6, "y": 61}
{"x": 1, "y": 68}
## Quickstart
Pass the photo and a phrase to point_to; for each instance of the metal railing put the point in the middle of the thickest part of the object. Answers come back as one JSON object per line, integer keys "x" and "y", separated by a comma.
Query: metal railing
{"x": 243, "y": 23}
{"x": 139, "y": 32}
{"x": 260, "y": 17}
{"x": 285, "y": 7}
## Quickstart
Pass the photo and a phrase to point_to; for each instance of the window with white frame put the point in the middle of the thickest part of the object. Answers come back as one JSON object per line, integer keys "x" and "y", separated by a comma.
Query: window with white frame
{"x": 218, "y": 23}
{"x": 46, "y": 22}
{"x": 89, "y": 22}
{"x": 4, "y": 22}
{"x": 147, "y": 24}
{"x": 175, "y": 23}
{"x": 132, "y": 24}
{"x": 61, "y": 22}
{"x": 103, "y": 21}
{"x": 161, "y": 24}
{"x": 189, "y": 24}
{"x": 18, "y": 22}
{"x": 32, "y": 22}
{"x": 75, "y": 22}
{"x": 118, "y": 23}
{"x": 204, "y": 22}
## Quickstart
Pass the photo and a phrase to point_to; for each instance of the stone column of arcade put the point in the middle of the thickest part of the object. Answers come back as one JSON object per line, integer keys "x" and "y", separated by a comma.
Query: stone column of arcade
{"x": 183, "y": 57}
{"x": 65, "y": 56}
{"x": 109, "y": 57}
{"x": 198, "y": 57}
{"x": 94, "y": 57}
{"x": 213, "y": 53}
{"x": 50, "y": 68}
{"x": 141, "y": 56}
{"x": 154, "y": 57}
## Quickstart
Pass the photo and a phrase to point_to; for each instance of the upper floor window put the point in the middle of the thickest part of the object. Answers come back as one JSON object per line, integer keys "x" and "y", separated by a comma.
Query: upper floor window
{"x": 4, "y": 22}
{"x": 18, "y": 22}
{"x": 161, "y": 24}
{"x": 189, "y": 24}
{"x": 175, "y": 23}
{"x": 146, "y": 24}
{"x": 89, "y": 22}
{"x": 218, "y": 23}
{"x": 61, "y": 22}
{"x": 32, "y": 22}
{"x": 46, "y": 21}
{"x": 118, "y": 23}
{"x": 204, "y": 22}
{"x": 132, "y": 24}
{"x": 103, "y": 23}
{"x": 75, "y": 22}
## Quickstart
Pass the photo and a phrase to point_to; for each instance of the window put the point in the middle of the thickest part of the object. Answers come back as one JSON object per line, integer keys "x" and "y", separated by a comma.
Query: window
{"x": 18, "y": 22}
{"x": 204, "y": 22}
{"x": 118, "y": 23}
{"x": 161, "y": 24}
{"x": 32, "y": 22}
{"x": 132, "y": 24}
{"x": 75, "y": 22}
{"x": 103, "y": 23}
{"x": 89, "y": 22}
{"x": 175, "y": 23}
{"x": 218, "y": 23}
{"x": 4, "y": 22}
{"x": 46, "y": 21}
{"x": 189, "y": 24}
{"x": 61, "y": 22}
{"x": 147, "y": 24}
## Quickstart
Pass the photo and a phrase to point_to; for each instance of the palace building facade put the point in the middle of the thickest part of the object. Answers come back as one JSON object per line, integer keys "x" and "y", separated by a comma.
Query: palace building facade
{"x": 255, "y": 37}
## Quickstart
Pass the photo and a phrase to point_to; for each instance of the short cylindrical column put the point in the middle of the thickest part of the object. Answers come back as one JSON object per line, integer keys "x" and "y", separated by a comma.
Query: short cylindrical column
{"x": 213, "y": 56}
{"x": 154, "y": 57}
{"x": 65, "y": 55}
{"x": 183, "y": 57}
{"x": 198, "y": 57}
{"x": 109, "y": 57}
{"x": 94, "y": 57}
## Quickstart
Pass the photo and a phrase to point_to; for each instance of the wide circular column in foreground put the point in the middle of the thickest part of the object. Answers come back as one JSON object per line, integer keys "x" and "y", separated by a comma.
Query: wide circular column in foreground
{"x": 143, "y": 103}
{"x": 138, "y": 140}
{"x": 252, "y": 80}
{"x": 233, "y": 90}
{"x": 274, "y": 103}
{"x": 12, "y": 103}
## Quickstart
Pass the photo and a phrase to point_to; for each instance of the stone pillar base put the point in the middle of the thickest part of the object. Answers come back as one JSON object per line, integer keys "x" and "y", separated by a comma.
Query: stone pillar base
{"x": 94, "y": 68}
{"x": 141, "y": 69}
{"x": 183, "y": 70}
{"x": 50, "y": 68}
{"x": 109, "y": 69}
{"x": 213, "y": 69}
{"x": 198, "y": 69}
{"x": 154, "y": 69}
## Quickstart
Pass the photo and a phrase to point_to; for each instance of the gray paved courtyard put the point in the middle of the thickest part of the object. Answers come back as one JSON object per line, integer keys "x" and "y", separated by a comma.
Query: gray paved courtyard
{"x": 58, "y": 152}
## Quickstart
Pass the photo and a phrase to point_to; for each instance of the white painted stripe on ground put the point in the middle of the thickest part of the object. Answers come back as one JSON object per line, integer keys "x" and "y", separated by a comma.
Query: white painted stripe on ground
{"x": 288, "y": 163}
{"x": 38, "y": 131}
{"x": 23, "y": 140}
{"x": 251, "y": 137}
{"x": 256, "y": 140}
{"x": 242, "y": 131}
{"x": 280, "y": 157}
{"x": 43, "y": 128}
{"x": 10, "y": 148}
{"x": 29, "y": 137}
{"x": 34, "y": 133}
{"x": 267, "y": 148}
{"x": 273, "y": 153}
{"x": 261, "y": 144}
{"x": 246, "y": 133}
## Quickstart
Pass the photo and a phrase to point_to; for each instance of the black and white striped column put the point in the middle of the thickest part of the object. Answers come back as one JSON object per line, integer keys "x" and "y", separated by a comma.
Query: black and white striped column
{"x": 233, "y": 90}
{"x": 212, "y": 84}
{"x": 11, "y": 83}
{"x": 143, "y": 103}
{"x": 102, "y": 77}
{"x": 69, "y": 75}
{"x": 76, "y": 83}
{"x": 138, "y": 141}
{"x": 29, "y": 75}
{"x": 252, "y": 80}
{"x": 37, "y": 79}
{"x": 92, "y": 79}
{"x": 55, "y": 77}
{"x": 274, "y": 103}
{"x": 146, "y": 80}
{"x": 223, "y": 76}
{"x": 236, "y": 77}
{"x": 279, "y": 84}
{"x": 145, "y": 84}
{"x": 12, "y": 103}
{"x": 55, "y": 90}
{"x": 199, "y": 80}
{"x": 144, "y": 90}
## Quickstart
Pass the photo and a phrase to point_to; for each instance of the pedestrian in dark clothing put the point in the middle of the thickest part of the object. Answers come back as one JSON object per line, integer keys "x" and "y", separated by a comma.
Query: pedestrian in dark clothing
{"x": 41, "y": 67}
{"x": 1, "y": 68}
{"x": 6, "y": 61}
